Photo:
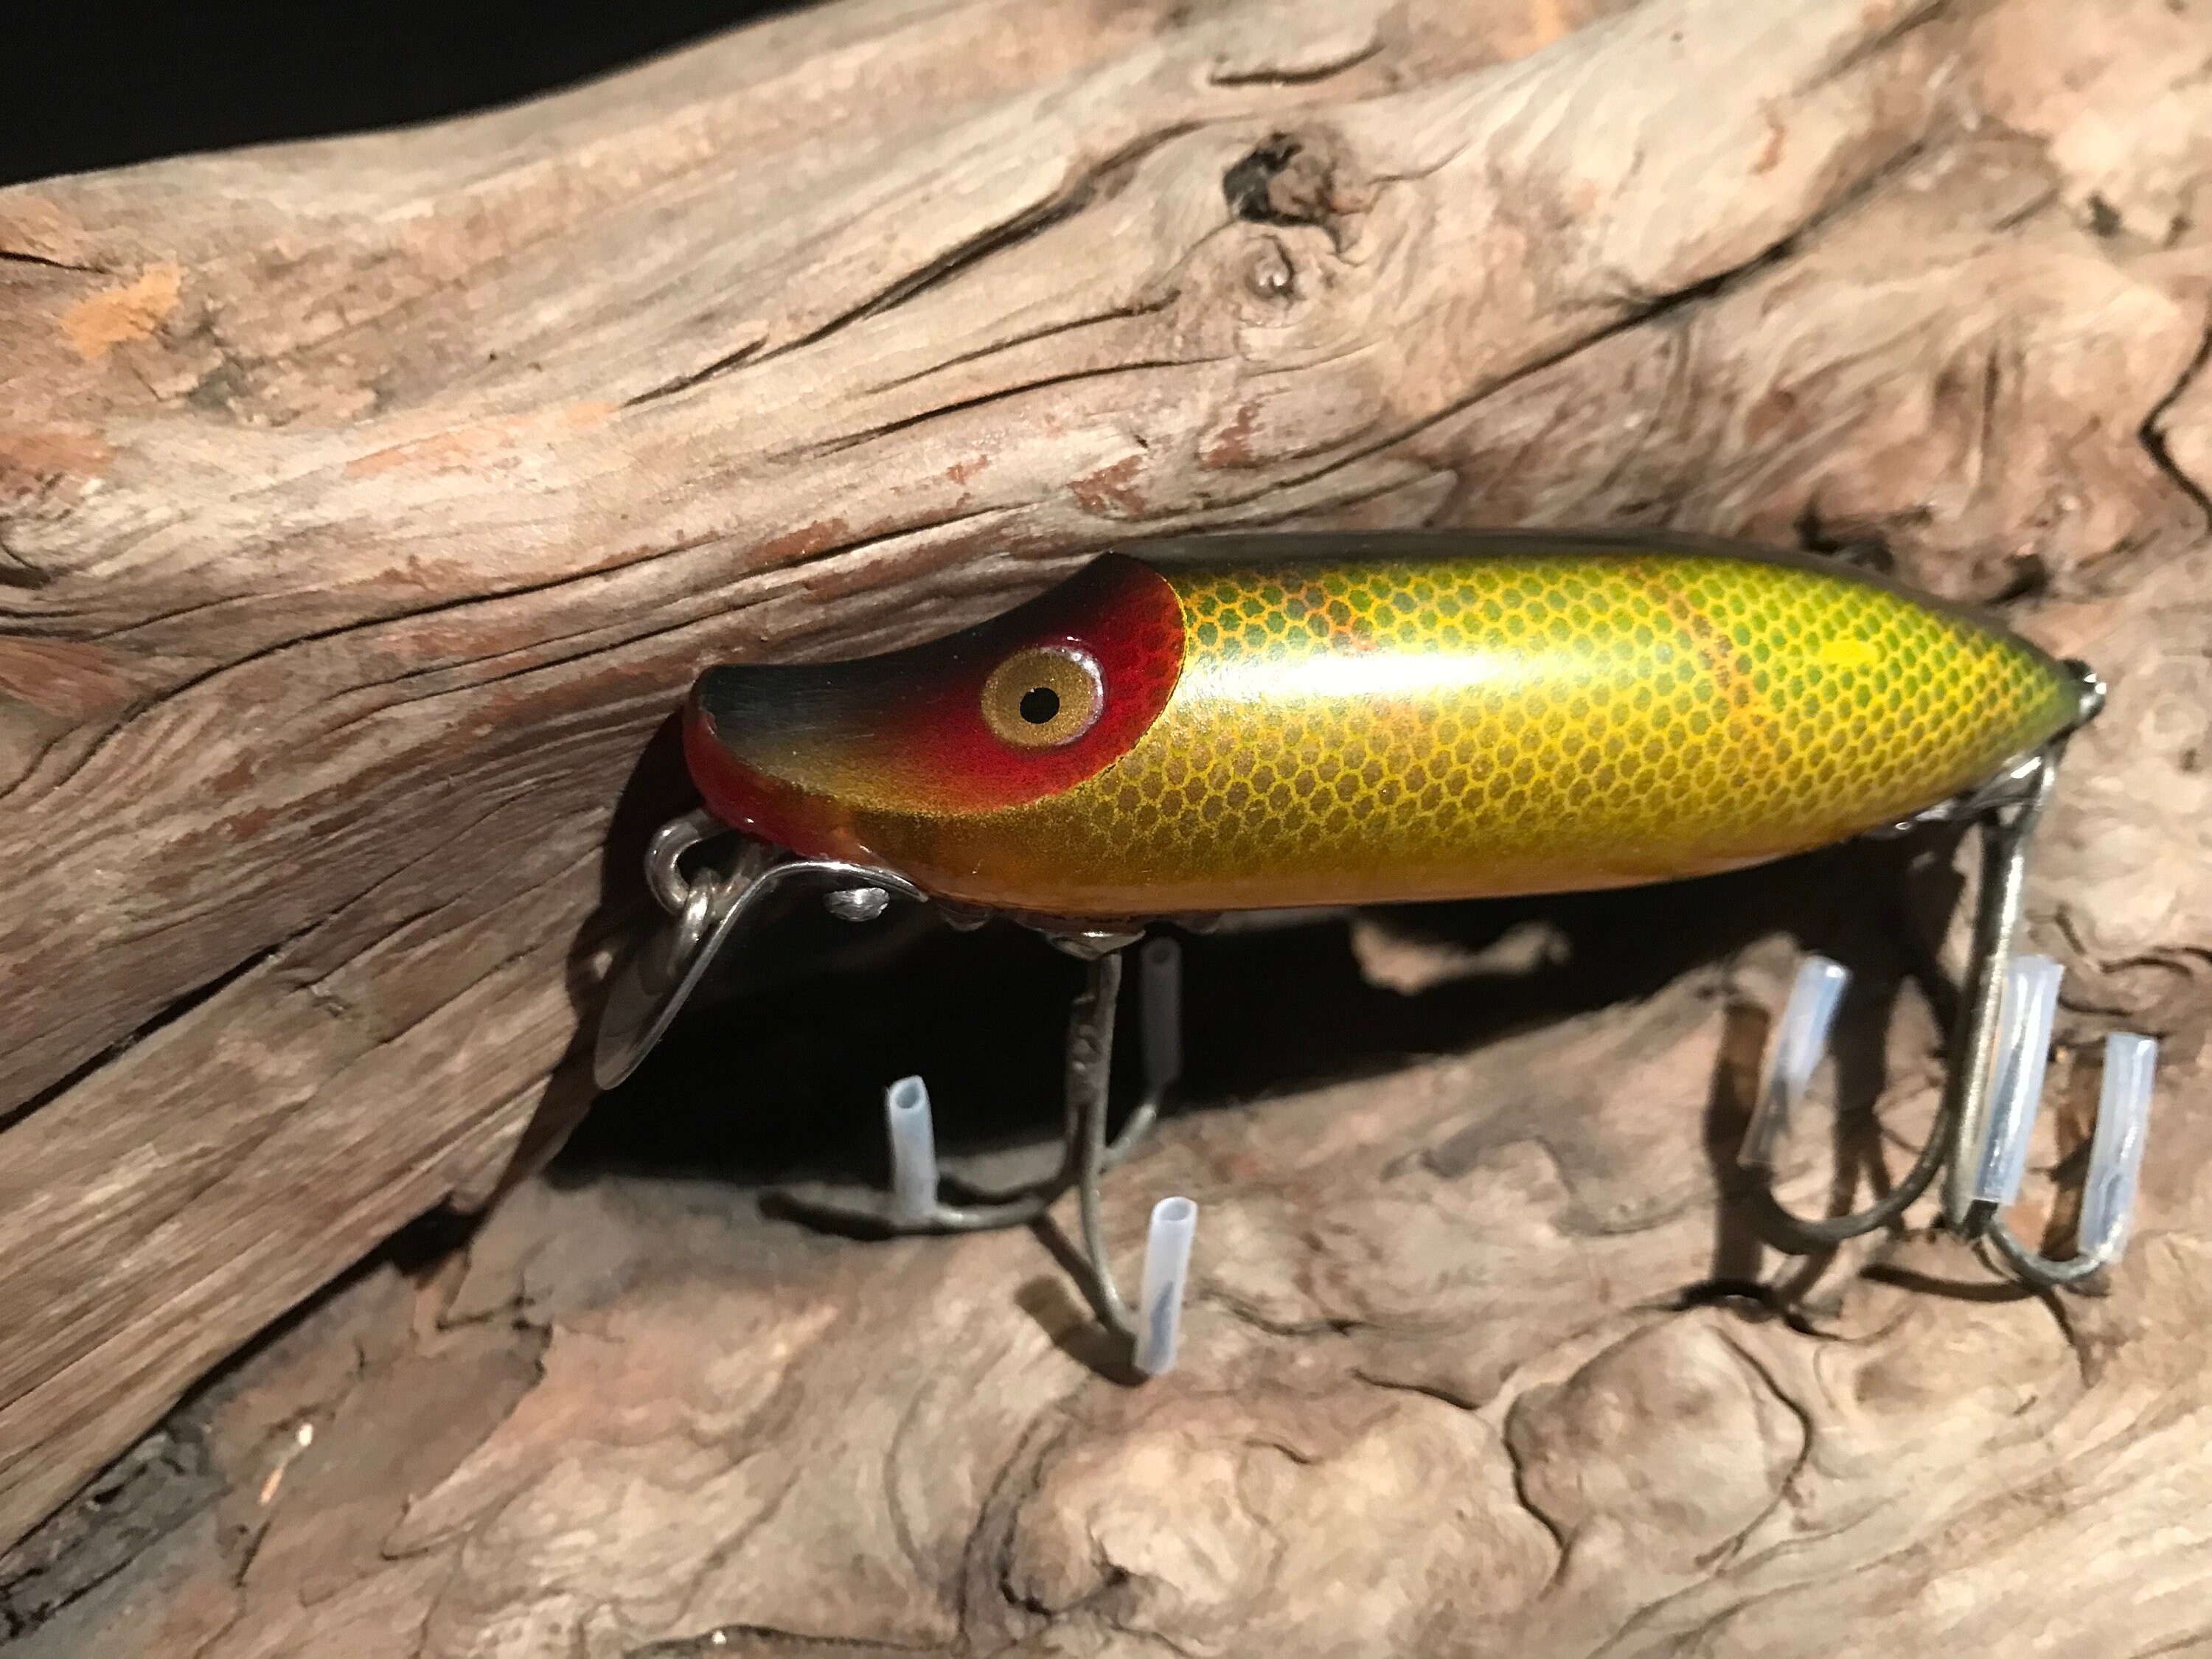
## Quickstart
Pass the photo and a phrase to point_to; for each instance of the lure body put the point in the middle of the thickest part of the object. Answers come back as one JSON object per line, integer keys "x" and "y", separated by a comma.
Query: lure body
{"x": 1292, "y": 720}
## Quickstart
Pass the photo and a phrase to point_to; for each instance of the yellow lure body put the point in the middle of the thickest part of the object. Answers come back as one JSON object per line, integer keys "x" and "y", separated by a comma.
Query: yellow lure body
{"x": 1370, "y": 719}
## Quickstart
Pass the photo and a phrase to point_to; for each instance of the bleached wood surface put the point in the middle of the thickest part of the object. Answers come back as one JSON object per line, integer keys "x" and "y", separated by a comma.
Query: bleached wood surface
{"x": 365, "y": 505}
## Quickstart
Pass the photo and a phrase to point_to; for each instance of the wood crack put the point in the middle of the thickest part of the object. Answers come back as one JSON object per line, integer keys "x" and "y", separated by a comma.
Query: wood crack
{"x": 1307, "y": 77}
{"x": 2152, "y": 435}
{"x": 985, "y": 399}
{"x": 1050, "y": 330}
{"x": 722, "y": 1637}
{"x": 16, "y": 256}
{"x": 720, "y": 365}
{"x": 169, "y": 1014}
{"x": 1916, "y": 18}
{"x": 1095, "y": 182}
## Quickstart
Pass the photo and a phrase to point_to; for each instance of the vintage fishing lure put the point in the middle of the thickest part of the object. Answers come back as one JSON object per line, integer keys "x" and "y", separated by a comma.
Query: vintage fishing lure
{"x": 1216, "y": 724}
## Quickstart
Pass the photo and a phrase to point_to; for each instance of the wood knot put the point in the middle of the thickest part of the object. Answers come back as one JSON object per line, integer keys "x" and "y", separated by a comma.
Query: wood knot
{"x": 1284, "y": 180}
{"x": 1268, "y": 273}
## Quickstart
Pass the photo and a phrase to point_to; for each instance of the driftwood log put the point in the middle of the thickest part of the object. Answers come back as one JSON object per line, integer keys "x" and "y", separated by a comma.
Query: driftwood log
{"x": 365, "y": 505}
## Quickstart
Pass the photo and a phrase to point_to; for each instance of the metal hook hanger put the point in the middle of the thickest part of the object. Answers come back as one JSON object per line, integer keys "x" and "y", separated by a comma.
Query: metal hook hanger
{"x": 654, "y": 982}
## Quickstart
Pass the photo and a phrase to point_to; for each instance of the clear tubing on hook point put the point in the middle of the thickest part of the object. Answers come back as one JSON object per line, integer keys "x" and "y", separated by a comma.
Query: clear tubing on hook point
{"x": 1800, "y": 1037}
{"x": 2031, "y": 1004}
{"x": 1161, "y": 963}
{"x": 1167, "y": 1273}
{"x": 914, "y": 1149}
{"x": 2108, "y": 1196}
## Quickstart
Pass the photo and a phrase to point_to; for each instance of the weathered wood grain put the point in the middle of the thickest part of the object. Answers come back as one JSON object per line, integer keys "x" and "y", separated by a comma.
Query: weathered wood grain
{"x": 364, "y": 505}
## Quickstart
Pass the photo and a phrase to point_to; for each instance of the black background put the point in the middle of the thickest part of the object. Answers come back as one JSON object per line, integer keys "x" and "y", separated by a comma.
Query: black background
{"x": 85, "y": 85}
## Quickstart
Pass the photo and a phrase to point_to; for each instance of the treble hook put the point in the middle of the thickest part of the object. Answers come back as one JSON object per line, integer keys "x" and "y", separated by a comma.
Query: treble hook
{"x": 656, "y": 982}
{"x": 2116, "y": 1147}
{"x": 914, "y": 1204}
{"x": 1979, "y": 1141}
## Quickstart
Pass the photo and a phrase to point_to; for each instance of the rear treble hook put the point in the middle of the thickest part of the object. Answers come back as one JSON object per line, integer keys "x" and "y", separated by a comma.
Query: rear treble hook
{"x": 2116, "y": 1147}
{"x": 1978, "y": 1142}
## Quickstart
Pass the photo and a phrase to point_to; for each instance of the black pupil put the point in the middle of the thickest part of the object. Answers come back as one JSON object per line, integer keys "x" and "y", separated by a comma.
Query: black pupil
{"x": 1039, "y": 704}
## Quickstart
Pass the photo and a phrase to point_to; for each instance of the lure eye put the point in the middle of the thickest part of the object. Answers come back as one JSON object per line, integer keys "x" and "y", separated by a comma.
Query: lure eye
{"x": 1044, "y": 697}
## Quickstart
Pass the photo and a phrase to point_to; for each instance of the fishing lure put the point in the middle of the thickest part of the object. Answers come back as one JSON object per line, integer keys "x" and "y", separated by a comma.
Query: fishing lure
{"x": 1193, "y": 728}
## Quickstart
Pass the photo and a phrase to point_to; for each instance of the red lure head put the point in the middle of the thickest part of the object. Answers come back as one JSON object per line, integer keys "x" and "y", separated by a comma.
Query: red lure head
{"x": 1012, "y": 711}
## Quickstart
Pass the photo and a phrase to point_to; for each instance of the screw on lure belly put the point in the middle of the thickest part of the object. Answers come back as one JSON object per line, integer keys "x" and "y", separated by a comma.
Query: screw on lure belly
{"x": 1229, "y": 724}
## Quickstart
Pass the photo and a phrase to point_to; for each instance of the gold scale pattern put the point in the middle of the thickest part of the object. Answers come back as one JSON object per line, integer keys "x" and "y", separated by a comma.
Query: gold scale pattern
{"x": 1470, "y": 726}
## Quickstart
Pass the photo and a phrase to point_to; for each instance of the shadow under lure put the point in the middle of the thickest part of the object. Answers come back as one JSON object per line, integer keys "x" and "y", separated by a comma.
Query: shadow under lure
{"x": 1188, "y": 728}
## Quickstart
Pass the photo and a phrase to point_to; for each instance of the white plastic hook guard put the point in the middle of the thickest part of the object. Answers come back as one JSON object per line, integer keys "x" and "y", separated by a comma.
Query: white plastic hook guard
{"x": 2116, "y": 1148}
{"x": 1166, "y": 1276}
{"x": 1801, "y": 1038}
{"x": 2029, "y": 1007}
{"x": 1158, "y": 1319}
{"x": 914, "y": 1149}
{"x": 2108, "y": 1198}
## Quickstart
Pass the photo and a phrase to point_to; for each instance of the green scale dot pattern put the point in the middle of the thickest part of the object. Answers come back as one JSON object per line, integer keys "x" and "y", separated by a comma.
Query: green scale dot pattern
{"x": 1366, "y": 733}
